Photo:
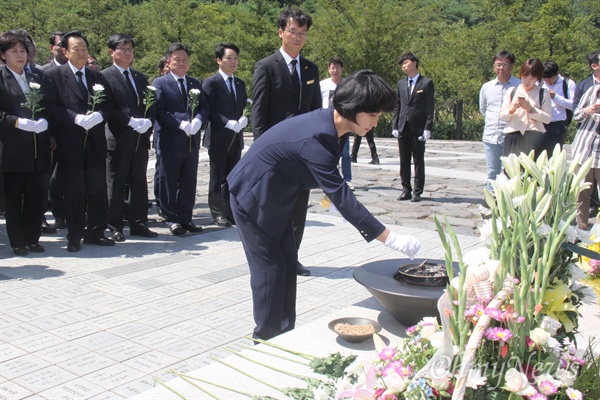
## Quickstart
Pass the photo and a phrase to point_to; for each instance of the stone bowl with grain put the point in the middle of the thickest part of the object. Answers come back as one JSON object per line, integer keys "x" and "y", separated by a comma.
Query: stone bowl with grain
{"x": 354, "y": 329}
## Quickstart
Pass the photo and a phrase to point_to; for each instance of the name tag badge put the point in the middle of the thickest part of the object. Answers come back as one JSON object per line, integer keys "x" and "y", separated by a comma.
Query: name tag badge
{"x": 420, "y": 91}
{"x": 310, "y": 82}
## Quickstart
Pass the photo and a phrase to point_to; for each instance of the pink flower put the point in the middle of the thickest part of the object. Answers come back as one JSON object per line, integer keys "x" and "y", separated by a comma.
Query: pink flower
{"x": 547, "y": 387}
{"x": 387, "y": 396}
{"x": 387, "y": 354}
{"x": 476, "y": 310}
{"x": 573, "y": 394}
{"x": 498, "y": 334}
{"x": 494, "y": 314}
{"x": 394, "y": 366}
{"x": 411, "y": 329}
{"x": 520, "y": 319}
{"x": 406, "y": 371}
{"x": 538, "y": 396}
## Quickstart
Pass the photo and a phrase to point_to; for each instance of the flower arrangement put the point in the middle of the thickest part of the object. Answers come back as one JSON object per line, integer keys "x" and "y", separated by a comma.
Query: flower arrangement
{"x": 33, "y": 100}
{"x": 194, "y": 96}
{"x": 149, "y": 101}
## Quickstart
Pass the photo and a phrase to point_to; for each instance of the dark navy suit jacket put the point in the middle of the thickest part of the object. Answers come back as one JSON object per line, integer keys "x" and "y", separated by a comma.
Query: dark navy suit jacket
{"x": 297, "y": 154}
{"x": 416, "y": 109}
{"x": 171, "y": 110}
{"x": 222, "y": 109}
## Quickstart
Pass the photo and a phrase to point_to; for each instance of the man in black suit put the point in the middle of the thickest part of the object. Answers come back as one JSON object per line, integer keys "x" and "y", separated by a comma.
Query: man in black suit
{"x": 594, "y": 79}
{"x": 57, "y": 53}
{"x": 128, "y": 141}
{"x": 80, "y": 141}
{"x": 285, "y": 85}
{"x": 412, "y": 124}
{"x": 177, "y": 126}
{"x": 223, "y": 138}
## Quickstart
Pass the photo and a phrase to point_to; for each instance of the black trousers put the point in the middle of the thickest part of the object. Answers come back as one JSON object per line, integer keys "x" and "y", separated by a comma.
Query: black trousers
{"x": 272, "y": 264}
{"x": 24, "y": 199}
{"x": 221, "y": 164}
{"x": 410, "y": 147}
{"x": 86, "y": 201}
{"x": 555, "y": 134}
{"x": 370, "y": 141}
{"x": 517, "y": 143}
{"x": 178, "y": 176}
{"x": 56, "y": 195}
{"x": 127, "y": 169}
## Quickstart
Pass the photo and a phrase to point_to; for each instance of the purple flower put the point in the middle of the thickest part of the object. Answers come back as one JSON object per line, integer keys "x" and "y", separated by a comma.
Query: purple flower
{"x": 498, "y": 334}
{"x": 520, "y": 319}
{"x": 411, "y": 329}
{"x": 547, "y": 387}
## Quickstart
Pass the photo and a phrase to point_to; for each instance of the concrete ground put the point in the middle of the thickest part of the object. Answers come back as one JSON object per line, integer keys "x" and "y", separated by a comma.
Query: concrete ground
{"x": 101, "y": 323}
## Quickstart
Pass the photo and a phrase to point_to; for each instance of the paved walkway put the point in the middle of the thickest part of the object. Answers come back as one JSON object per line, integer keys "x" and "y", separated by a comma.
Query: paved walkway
{"x": 100, "y": 324}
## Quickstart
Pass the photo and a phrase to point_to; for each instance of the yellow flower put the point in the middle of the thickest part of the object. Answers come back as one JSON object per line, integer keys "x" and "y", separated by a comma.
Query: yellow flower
{"x": 557, "y": 301}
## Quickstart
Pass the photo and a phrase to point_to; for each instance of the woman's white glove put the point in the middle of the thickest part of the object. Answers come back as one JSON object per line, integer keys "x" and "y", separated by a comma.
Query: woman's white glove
{"x": 404, "y": 243}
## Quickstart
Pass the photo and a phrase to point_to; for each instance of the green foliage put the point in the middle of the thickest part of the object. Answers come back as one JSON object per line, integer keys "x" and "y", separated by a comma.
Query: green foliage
{"x": 333, "y": 366}
{"x": 454, "y": 39}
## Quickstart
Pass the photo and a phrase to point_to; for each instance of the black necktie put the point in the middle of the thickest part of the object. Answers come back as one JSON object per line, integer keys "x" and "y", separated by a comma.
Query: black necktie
{"x": 409, "y": 87}
{"x": 183, "y": 93}
{"x": 231, "y": 91}
{"x": 295, "y": 79}
{"x": 82, "y": 87}
{"x": 129, "y": 84}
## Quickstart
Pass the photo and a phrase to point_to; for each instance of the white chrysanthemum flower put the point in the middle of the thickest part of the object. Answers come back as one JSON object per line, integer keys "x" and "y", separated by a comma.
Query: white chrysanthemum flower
{"x": 195, "y": 92}
{"x": 554, "y": 346}
{"x": 98, "y": 88}
{"x": 249, "y": 101}
{"x": 343, "y": 384}
{"x": 151, "y": 88}
{"x": 358, "y": 366}
{"x": 34, "y": 86}
{"x": 320, "y": 394}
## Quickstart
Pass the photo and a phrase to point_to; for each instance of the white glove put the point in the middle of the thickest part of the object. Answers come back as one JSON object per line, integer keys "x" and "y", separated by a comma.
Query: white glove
{"x": 27, "y": 125}
{"x": 145, "y": 124}
{"x": 81, "y": 120}
{"x": 233, "y": 125}
{"x": 196, "y": 125}
{"x": 395, "y": 133}
{"x": 41, "y": 125}
{"x": 94, "y": 119}
{"x": 403, "y": 243}
{"x": 135, "y": 123}
{"x": 334, "y": 211}
{"x": 243, "y": 122}
{"x": 186, "y": 126}
{"x": 426, "y": 135}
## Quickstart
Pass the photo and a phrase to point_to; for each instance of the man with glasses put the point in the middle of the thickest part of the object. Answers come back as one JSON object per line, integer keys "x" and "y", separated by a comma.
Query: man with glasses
{"x": 58, "y": 57}
{"x": 128, "y": 142}
{"x": 285, "y": 85}
{"x": 490, "y": 102}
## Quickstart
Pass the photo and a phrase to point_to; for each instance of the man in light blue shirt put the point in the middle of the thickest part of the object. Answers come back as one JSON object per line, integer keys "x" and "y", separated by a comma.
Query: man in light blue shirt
{"x": 490, "y": 103}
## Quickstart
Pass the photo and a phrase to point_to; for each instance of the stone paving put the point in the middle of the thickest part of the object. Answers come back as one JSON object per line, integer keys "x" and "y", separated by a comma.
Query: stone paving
{"x": 102, "y": 323}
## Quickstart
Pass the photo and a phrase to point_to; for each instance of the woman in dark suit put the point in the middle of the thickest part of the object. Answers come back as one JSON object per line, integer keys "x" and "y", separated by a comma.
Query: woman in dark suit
{"x": 296, "y": 155}
{"x": 24, "y": 148}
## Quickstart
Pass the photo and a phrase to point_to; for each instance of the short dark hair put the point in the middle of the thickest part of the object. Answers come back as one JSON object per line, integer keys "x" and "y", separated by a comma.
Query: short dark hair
{"x": 550, "y": 69}
{"x": 408, "y": 56}
{"x": 297, "y": 15}
{"x": 176, "y": 47}
{"x": 10, "y": 39}
{"x": 363, "y": 91}
{"x": 64, "y": 40}
{"x": 162, "y": 63}
{"x": 119, "y": 38}
{"x": 335, "y": 60}
{"x": 54, "y": 35}
{"x": 25, "y": 34}
{"x": 532, "y": 67}
{"x": 594, "y": 57}
{"x": 221, "y": 47}
{"x": 502, "y": 54}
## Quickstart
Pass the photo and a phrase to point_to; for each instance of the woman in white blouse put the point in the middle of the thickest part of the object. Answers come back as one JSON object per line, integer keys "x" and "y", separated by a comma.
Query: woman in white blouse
{"x": 526, "y": 109}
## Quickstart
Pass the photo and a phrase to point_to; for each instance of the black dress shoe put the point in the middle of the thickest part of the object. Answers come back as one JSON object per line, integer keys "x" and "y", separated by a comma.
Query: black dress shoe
{"x": 117, "y": 236}
{"x": 35, "y": 248}
{"x": 416, "y": 198}
{"x": 177, "y": 230}
{"x": 375, "y": 160}
{"x": 192, "y": 227}
{"x": 353, "y": 159}
{"x": 73, "y": 247}
{"x": 142, "y": 230}
{"x": 404, "y": 196}
{"x": 98, "y": 240}
{"x": 20, "y": 251}
{"x": 60, "y": 223}
{"x": 47, "y": 228}
{"x": 301, "y": 271}
{"x": 222, "y": 221}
